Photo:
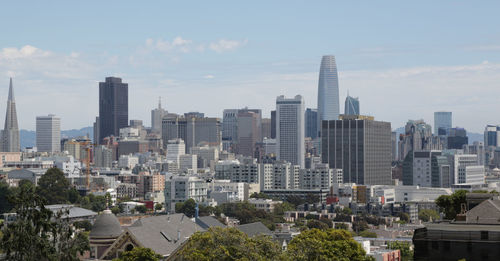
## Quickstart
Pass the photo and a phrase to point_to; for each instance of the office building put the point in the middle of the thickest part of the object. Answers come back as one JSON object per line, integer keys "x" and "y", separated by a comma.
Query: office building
{"x": 311, "y": 118}
{"x": 477, "y": 148}
{"x": 360, "y": 146}
{"x": 48, "y": 133}
{"x": 266, "y": 128}
{"x": 248, "y": 132}
{"x": 466, "y": 170}
{"x": 290, "y": 129}
{"x": 351, "y": 106}
{"x": 103, "y": 157}
{"x": 181, "y": 188}
{"x": 229, "y": 128}
{"x": 273, "y": 124}
{"x": 10, "y": 133}
{"x": 394, "y": 146}
{"x": 418, "y": 137}
{"x": 156, "y": 117}
{"x": 442, "y": 119}
{"x": 113, "y": 107}
{"x": 328, "y": 91}
{"x": 194, "y": 131}
{"x": 457, "y": 138}
{"x": 491, "y": 136}
{"x": 426, "y": 169}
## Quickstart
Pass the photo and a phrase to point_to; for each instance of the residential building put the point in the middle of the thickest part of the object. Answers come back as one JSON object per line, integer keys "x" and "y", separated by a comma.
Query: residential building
{"x": 290, "y": 129}
{"x": 267, "y": 205}
{"x": 181, "y": 188}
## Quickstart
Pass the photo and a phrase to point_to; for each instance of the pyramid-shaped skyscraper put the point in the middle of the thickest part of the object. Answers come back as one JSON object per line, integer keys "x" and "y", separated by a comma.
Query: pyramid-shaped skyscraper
{"x": 10, "y": 133}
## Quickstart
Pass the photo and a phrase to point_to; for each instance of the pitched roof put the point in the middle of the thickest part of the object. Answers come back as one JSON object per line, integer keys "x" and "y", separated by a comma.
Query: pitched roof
{"x": 488, "y": 212}
{"x": 165, "y": 233}
{"x": 253, "y": 229}
{"x": 74, "y": 212}
{"x": 209, "y": 221}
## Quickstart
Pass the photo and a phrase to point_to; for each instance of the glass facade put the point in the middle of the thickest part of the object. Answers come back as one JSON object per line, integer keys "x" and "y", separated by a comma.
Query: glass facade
{"x": 328, "y": 90}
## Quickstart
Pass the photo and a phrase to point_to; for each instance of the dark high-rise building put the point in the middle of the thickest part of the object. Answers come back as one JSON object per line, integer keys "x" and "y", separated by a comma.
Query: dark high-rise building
{"x": 351, "y": 106}
{"x": 311, "y": 123}
{"x": 113, "y": 107}
{"x": 273, "y": 124}
{"x": 457, "y": 138}
{"x": 194, "y": 131}
{"x": 360, "y": 146}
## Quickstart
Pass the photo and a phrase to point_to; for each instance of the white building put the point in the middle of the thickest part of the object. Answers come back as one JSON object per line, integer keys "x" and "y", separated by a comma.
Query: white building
{"x": 129, "y": 133}
{"x": 48, "y": 133}
{"x": 181, "y": 188}
{"x": 322, "y": 177}
{"x": 223, "y": 191}
{"x": 235, "y": 171}
{"x": 156, "y": 117}
{"x": 467, "y": 170}
{"x": 103, "y": 157}
{"x": 128, "y": 161}
{"x": 283, "y": 175}
{"x": 270, "y": 146}
{"x": 175, "y": 148}
{"x": 290, "y": 128}
{"x": 267, "y": 205}
{"x": 209, "y": 154}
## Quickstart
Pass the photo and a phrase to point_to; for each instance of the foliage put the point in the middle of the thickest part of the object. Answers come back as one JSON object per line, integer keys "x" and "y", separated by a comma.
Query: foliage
{"x": 53, "y": 187}
{"x": 228, "y": 244}
{"x": 247, "y": 213}
{"x": 141, "y": 209}
{"x": 84, "y": 224}
{"x": 139, "y": 254}
{"x": 73, "y": 195}
{"x": 311, "y": 198}
{"x": 116, "y": 210}
{"x": 451, "y": 205}
{"x": 295, "y": 200}
{"x": 280, "y": 209}
{"x": 188, "y": 207}
{"x": 260, "y": 195}
{"x": 341, "y": 226}
{"x": 158, "y": 207}
{"x": 367, "y": 233}
{"x": 332, "y": 244}
{"x": 359, "y": 226}
{"x": 316, "y": 224}
{"x": 5, "y": 193}
{"x": 427, "y": 214}
{"x": 404, "y": 247}
{"x": 327, "y": 221}
{"x": 404, "y": 217}
{"x": 93, "y": 202}
{"x": 38, "y": 233}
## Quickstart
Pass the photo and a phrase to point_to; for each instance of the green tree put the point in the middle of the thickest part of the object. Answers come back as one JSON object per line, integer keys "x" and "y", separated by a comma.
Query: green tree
{"x": 260, "y": 195}
{"x": 316, "y": 224}
{"x": 141, "y": 209}
{"x": 84, "y": 224}
{"x": 228, "y": 244}
{"x": 295, "y": 200}
{"x": 451, "y": 205}
{"x": 116, "y": 210}
{"x": 5, "y": 193}
{"x": 427, "y": 214}
{"x": 53, "y": 187}
{"x": 73, "y": 195}
{"x": 341, "y": 226}
{"x": 359, "y": 226}
{"x": 139, "y": 254}
{"x": 188, "y": 207}
{"x": 404, "y": 217}
{"x": 332, "y": 244}
{"x": 280, "y": 209}
{"x": 367, "y": 233}
{"x": 311, "y": 198}
{"x": 94, "y": 203}
{"x": 38, "y": 233}
{"x": 158, "y": 207}
{"x": 404, "y": 247}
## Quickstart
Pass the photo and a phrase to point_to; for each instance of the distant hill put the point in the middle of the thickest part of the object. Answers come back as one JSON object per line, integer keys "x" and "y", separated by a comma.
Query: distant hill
{"x": 28, "y": 137}
{"x": 472, "y": 136}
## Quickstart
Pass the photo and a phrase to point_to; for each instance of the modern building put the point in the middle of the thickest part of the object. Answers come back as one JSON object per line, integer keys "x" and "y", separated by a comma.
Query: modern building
{"x": 491, "y": 136}
{"x": 311, "y": 118}
{"x": 194, "y": 131}
{"x": 10, "y": 133}
{"x": 103, "y": 157}
{"x": 266, "y": 128}
{"x": 113, "y": 107}
{"x": 426, "y": 169}
{"x": 290, "y": 127}
{"x": 156, "y": 117}
{"x": 467, "y": 170}
{"x": 360, "y": 146}
{"x": 248, "y": 132}
{"x": 229, "y": 127}
{"x": 48, "y": 133}
{"x": 236, "y": 171}
{"x": 328, "y": 91}
{"x": 417, "y": 137}
{"x": 273, "y": 124}
{"x": 181, "y": 188}
{"x": 442, "y": 119}
{"x": 351, "y": 106}
{"x": 457, "y": 138}
{"x": 477, "y": 148}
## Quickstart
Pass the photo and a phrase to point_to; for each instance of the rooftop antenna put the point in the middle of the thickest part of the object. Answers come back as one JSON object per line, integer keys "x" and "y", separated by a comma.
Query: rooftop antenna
{"x": 159, "y": 102}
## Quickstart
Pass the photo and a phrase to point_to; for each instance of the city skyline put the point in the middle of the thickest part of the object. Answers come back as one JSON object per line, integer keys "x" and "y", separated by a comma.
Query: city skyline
{"x": 250, "y": 66}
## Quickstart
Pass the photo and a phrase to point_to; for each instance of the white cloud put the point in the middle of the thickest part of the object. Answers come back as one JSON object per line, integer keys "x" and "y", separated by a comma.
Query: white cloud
{"x": 208, "y": 76}
{"x": 227, "y": 45}
{"x": 26, "y": 51}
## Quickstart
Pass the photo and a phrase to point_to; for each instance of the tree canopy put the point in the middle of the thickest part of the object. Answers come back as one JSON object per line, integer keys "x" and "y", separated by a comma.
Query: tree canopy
{"x": 451, "y": 205}
{"x": 404, "y": 247}
{"x": 53, "y": 187}
{"x": 228, "y": 244}
{"x": 139, "y": 254}
{"x": 427, "y": 215}
{"x": 332, "y": 244}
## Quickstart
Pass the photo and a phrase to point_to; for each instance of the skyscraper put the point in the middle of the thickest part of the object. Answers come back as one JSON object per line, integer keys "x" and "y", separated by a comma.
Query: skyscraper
{"x": 273, "y": 124}
{"x": 113, "y": 107}
{"x": 491, "y": 135}
{"x": 311, "y": 123}
{"x": 442, "y": 119}
{"x": 328, "y": 91}
{"x": 48, "y": 133}
{"x": 10, "y": 134}
{"x": 290, "y": 129}
{"x": 247, "y": 132}
{"x": 351, "y": 106}
{"x": 156, "y": 117}
{"x": 360, "y": 146}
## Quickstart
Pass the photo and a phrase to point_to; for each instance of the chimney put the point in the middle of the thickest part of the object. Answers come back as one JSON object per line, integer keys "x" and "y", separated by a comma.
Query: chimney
{"x": 178, "y": 235}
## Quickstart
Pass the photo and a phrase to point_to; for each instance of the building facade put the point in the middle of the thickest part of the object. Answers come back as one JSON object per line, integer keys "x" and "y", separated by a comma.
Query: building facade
{"x": 290, "y": 129}
{"x": 328, "y": 90}
{"x": 351, "y": 106}
{"x": 442, "y": 119}
{"x": 311, "y": 118}
{"x": 10, "y": 133}
{"x": 48, "y": 133}
{"x": 113, "y": 107}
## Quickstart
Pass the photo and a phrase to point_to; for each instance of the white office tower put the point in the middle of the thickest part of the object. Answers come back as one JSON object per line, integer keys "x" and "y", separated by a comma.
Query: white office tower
{"x": 48, "y": 133}
{"x": 290, "y": 128}
{"x": 175, "y": 148}
{"x": 156, "y": 118}
{"x": 467, "y": 170}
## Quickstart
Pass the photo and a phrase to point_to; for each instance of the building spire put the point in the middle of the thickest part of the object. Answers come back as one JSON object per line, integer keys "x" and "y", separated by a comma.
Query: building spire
{"x": 11, "y": 90}
{"x": 10, "y": 136}
{"x": 159, "y": 102}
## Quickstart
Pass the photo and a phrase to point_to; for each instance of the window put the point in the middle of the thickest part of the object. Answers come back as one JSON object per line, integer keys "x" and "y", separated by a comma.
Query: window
{"x": 484, "y": 235}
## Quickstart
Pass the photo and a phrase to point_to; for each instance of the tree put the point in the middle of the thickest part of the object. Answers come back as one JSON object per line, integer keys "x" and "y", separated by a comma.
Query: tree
{"x": 228, "y": 244}
{"x": 188, "y": 207}
{"x": 327, "y": 221}
{"x": 141, "y": 209}
{"x": 139, "y": 254}
{"x": 95, "y": 203}
{"x": 367, "y": 233}
{"x": 73, "y": 195}
{"x": 332, "y": 244}
{"x": 317, "y": 224}
{"x": 5, "y": 193}
{"x": 295, "y": 200}
{"x": 280, "y": 209}
{"x": 39, "y": 234}
{"x": 404, "y": 217}
{"x": 158, "y": 207}
{"x": 427, "y": 215}
{"x": 404, "y": 247}
{"x": 53, "y": 186}
{"x": 311, "y": 198}
{"x": 116, "y": 210}
{"x": 260, "y": 195}
{"x": 359, "y": 226}
{"x": 341, "y": 226}
{"x": 451, "y": 205}
{"x": 84, "y": 224}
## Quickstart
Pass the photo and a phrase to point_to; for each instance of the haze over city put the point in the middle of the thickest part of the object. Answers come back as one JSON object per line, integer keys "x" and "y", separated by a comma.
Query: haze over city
{"x": 404, "y": 60}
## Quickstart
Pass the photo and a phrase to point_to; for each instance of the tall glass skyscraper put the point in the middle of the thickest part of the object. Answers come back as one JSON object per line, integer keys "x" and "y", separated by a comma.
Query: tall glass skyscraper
{"x": 328, "y": 90}
{"x": 113, "y": 107}
{"x": 351, "y": 106}
{"x": 442, "y": 119}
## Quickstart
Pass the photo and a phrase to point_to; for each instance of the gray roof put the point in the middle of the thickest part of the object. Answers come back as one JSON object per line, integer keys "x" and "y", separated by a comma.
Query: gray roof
{"x": 165, "y": 233}
{"x": 74, "y": 212}
{"x": 253, "y": 229}
{"x": 106, "y": 225}
{"x": 209, "y": 221}
{"x": 488, "y": 212}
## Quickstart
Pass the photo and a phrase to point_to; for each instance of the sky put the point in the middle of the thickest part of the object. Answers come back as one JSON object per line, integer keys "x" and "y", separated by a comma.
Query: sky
{"x": 404, "y": 60}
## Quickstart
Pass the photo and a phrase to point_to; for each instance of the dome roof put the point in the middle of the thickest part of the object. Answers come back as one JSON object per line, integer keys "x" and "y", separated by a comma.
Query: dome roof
{"x": 106, "y": 225}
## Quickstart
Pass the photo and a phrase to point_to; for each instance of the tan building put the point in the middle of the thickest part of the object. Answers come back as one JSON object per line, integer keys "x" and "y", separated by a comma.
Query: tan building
{"x": 9, "y": 157}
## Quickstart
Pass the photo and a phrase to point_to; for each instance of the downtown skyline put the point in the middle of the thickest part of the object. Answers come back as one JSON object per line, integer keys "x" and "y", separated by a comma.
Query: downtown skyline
{"x": 398, "y": 75}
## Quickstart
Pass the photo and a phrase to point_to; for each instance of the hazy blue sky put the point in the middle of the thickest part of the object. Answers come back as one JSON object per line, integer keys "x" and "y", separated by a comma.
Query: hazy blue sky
{"x": 403, "y": 60}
